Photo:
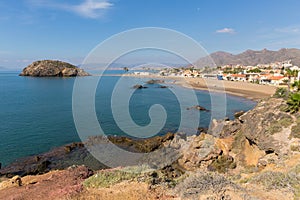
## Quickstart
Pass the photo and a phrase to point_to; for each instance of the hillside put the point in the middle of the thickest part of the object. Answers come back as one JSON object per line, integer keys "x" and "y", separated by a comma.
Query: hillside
{"x": 251, "y": 57}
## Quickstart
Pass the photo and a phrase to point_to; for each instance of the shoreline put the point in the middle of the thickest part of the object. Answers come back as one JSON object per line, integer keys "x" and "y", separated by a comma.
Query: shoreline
{"x": 247, "y": 90}
{"x": 241, "y": 89}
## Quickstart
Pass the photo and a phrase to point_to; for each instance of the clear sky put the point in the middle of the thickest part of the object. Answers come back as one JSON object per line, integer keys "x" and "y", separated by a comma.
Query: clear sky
{"x": 69, "y": 30}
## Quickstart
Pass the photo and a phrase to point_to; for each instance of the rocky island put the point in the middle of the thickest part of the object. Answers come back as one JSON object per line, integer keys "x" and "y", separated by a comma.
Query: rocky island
{"x": 52, "y": 68}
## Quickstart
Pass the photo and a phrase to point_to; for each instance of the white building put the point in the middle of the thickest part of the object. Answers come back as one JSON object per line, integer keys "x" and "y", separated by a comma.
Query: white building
{"x": 142, "y": 73}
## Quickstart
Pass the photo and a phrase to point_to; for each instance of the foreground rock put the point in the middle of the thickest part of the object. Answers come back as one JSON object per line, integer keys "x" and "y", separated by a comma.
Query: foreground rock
{"x": 56, "y": 159}
{"x": 53, "y": 185}
{"x": 46, "y": 68}
{"x": 77, "y": 154}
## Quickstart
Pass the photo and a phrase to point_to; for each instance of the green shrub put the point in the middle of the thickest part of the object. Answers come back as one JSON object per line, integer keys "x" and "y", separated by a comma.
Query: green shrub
{"x": 108, "y": 178}
{"x": 281, "y": 93}
{"x": 293, "y": 102}
{"x": 222, "y": 164}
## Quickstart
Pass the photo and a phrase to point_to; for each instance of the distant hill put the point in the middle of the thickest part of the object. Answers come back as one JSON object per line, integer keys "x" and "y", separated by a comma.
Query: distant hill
{"x": 250, "y": 57}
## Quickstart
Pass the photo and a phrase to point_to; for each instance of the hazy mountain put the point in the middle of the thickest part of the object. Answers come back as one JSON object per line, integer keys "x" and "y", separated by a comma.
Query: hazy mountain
{"x": 250, "y": 57}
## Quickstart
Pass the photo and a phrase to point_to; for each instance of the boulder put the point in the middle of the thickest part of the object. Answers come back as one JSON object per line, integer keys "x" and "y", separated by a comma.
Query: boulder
{"x": 13, "y": 182}
{"x": 224, "y": 128}
{"x": 238, "y": 114}
{"x": 199, "y": 153}
{"x": 262, "y": 124}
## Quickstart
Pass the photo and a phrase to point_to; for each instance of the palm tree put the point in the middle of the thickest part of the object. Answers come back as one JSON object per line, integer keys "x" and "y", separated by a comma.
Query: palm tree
{"x": 290, "y": 73}
{"x": 126, "y": 69}
{"x": 293, "y": 102}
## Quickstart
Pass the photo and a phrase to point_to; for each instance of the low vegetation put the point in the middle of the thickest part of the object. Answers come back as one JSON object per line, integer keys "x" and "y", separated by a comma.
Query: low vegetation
{"x": 142, "y": 173}
{"x": 278, "y": 180}
{"x": 222, "y": 164}
{"x": 274, "y": 128}
{"x": 108, "y": 178}
{"x": 203, "y": 182}
{"x": 284, "y": 121}
{"x": 281, "y": 93}
{"x": 295, "y": 131}
{"x": 292, "y": 99}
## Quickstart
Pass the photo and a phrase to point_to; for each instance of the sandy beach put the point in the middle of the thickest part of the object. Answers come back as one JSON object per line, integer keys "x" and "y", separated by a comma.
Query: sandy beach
{"x": 243, "y": 89}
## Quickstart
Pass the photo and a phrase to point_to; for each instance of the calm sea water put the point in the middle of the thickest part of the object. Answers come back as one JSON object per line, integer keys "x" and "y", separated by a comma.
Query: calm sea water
{"x": 36, "y": 113}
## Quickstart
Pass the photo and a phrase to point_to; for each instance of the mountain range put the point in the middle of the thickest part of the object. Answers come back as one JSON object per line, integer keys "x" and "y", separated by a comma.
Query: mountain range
{"x": 250, "y": 57}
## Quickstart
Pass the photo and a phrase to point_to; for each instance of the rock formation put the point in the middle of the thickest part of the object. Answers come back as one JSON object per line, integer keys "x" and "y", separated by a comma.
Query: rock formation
{"x": 46, "y": 68}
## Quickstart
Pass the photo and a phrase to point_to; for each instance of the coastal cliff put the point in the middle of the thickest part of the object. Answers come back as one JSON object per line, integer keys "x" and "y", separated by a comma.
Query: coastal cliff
{"x": 255, "y": 156}
{"x": 46, "y": 68}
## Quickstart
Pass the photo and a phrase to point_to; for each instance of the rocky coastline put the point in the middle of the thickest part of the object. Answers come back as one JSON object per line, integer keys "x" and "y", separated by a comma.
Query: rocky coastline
{"x": 77, "y": 153}
{"x": 255, "y": 156}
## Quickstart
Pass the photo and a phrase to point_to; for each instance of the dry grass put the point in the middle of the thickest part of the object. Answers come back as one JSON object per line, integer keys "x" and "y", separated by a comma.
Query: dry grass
{"x": 273, "y": 180}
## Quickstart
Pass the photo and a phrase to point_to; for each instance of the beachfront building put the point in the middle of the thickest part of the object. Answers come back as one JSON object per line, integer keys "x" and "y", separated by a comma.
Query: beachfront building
{"x": 235, "y": 77}
{"x": 141, "y": 73}
{"x": 278, "y": 80}
{"x": 273, "y": 80}
{"x": 252, "y": 77}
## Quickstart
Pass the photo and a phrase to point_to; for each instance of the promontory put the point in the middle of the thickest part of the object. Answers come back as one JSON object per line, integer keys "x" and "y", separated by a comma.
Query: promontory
{"x": 57, "y": 68}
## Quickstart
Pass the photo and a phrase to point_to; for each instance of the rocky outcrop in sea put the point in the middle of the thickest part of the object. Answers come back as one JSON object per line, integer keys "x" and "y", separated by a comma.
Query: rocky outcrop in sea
{"x": 45, "y": 68}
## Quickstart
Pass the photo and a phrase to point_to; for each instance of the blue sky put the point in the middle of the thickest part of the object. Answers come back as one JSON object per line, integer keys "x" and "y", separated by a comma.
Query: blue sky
{"x": 69, "y": 30}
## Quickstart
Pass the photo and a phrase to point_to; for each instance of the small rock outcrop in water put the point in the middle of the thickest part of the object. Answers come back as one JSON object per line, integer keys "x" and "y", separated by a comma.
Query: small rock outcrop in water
{"x": 154, "y": 81}
{"x": 46, "y": 68}
{"x": 163, "y": 86}
{"x": 139, "y": 87}
{"x": 198, "y": 107}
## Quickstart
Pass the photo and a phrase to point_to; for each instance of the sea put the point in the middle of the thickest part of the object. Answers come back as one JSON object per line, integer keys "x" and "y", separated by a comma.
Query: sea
{"x": 36, "y": 113}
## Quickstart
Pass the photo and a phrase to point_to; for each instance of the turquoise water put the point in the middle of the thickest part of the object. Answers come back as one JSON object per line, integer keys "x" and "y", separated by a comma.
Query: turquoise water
{"x": 36, "y": 113}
